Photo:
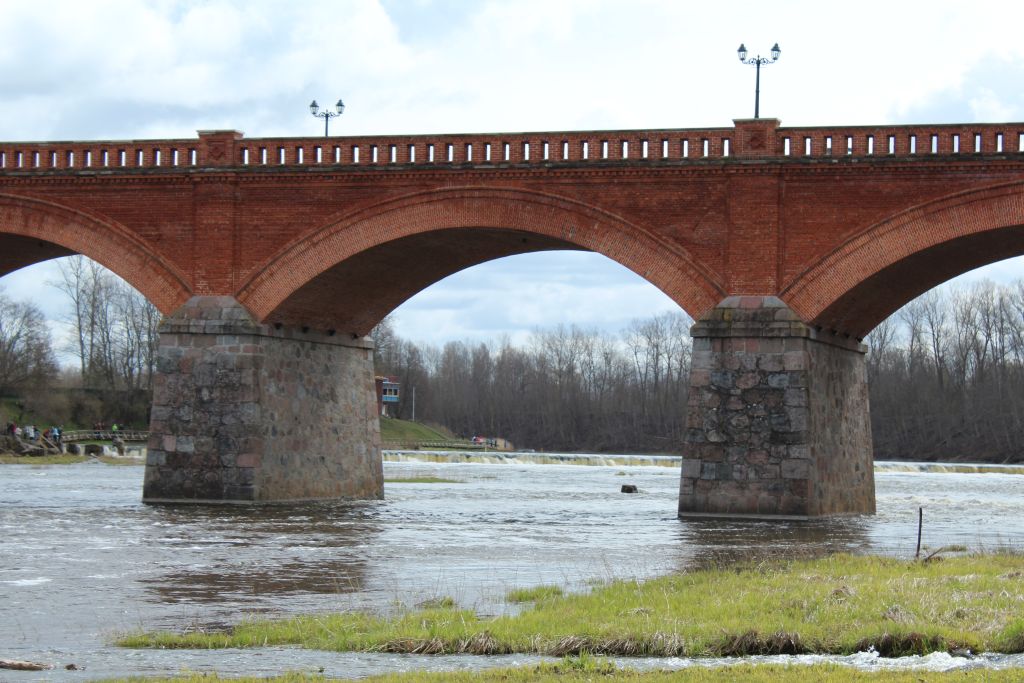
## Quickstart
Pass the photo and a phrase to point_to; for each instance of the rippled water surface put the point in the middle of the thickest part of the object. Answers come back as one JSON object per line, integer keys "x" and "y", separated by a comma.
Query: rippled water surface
{"x": 81, "y": 558}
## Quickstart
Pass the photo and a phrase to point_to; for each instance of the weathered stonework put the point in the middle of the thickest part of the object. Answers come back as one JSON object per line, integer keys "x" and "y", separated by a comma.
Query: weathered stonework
{"x": 244, "y": 412}
{"x": 777, "y": 420}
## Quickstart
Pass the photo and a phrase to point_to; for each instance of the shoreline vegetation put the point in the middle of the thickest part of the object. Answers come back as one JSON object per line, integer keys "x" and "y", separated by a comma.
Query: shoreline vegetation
{"x": 841, "y": 605}
{"x": 580, "y": 670}
{"x": 68, "y": 459}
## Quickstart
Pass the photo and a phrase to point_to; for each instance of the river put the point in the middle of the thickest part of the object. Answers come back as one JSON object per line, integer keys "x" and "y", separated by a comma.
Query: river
{"x": 82, "y": 559}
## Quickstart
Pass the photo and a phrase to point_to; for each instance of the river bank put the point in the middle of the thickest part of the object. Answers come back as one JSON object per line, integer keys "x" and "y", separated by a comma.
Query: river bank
{"x": 69, "y": 459}
{"x": 835, "y": 605}
{"x": 586, "y": 671}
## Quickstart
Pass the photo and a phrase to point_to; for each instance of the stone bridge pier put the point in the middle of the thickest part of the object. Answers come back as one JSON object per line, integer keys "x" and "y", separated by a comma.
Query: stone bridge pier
{"x": 245, "y": 412}
{"x": 777, "y": 420}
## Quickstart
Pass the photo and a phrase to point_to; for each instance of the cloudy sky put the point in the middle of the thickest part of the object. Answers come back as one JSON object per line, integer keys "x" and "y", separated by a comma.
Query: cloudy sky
{"x": 123, "y": 69}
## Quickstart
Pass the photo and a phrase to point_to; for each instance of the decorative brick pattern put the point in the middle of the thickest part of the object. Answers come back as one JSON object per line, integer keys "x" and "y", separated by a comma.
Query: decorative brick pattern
{"x": 854, "y": 288}
{"x": 244, "y": 412}
{"x": 777, "y": 421}
{"x": 291, "y": 289}
{"x": 33, "y": 230}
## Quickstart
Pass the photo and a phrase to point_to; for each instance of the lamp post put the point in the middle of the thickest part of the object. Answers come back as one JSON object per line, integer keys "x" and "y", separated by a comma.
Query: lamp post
{"x": 757, "y": 62}
{"x": 326, "y": 114}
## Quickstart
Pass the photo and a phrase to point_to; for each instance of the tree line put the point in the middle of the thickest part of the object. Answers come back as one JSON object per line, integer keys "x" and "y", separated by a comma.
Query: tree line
{"x": 946, "y": 380}
{"x": 566, "y": 389}
{"x": 946, "y": 373}
{"x": 111, "y": 332}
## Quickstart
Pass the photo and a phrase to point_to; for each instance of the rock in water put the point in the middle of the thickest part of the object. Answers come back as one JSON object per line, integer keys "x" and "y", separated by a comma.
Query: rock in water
{"x": 18, "y": 665}
{"x": 630, "y": 488}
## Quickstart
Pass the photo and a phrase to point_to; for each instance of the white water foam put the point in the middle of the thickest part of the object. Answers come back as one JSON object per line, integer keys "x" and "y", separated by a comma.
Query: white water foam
{"x": 618, "y": 460}
{"x": 28, "y": 582}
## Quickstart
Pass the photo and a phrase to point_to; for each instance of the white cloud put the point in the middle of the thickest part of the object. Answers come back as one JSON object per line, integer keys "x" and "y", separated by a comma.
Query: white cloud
{"x": 988, "y": 106}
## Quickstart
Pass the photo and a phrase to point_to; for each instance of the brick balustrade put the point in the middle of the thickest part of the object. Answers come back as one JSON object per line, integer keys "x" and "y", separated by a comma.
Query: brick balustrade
{"x": 748, "y": 139}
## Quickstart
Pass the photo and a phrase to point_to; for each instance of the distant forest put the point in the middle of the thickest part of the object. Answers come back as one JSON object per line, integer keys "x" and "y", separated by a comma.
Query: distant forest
{"x": 946, "y": 381}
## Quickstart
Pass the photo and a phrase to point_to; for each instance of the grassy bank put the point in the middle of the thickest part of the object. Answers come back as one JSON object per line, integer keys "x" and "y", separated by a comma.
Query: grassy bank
{"x": 841, "y": 604}
{"x": 63, "y": 459}
{"x": 66, "y": 459}
{"x": 392, "y": 429}
{"x": 572, "y": 671}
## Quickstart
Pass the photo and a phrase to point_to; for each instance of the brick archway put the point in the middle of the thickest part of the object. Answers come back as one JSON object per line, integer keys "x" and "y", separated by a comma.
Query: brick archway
{"x": 870, "y": 276}
{"x": 452, "y": 229}
{"x": 34, "y": 230}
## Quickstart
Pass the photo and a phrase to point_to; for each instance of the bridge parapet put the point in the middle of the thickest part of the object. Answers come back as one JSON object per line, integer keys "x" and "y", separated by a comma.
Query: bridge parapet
{"x": 748, "y": 139}
{"x": 107, "y": 155}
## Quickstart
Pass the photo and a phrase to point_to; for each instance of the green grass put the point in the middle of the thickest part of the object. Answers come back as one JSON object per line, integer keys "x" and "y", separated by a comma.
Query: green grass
{"x": 443, "y": 602}
{"x": 420, "y": 480}
{"x": 535, "y": 594}
{"x": 403, "y": 430}
{"x": 11, "y": 410}
{"x": 579, "y": 670}
{"x": 120, "y": 460}
{"x": 64, "y": 459}
{"x": 841, "y": 604}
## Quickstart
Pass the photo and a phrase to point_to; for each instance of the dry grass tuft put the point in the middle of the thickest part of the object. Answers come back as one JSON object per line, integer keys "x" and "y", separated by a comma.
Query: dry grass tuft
{"x": 905, "y": 644}
{"x": 898, "y": 614}
{"x": 751, "y": 643}
{"x": 413, "y": 646}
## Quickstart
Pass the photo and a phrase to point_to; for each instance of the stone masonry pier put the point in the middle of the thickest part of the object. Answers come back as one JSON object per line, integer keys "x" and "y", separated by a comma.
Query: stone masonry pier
{"x": 777, "y": 421}
{"x": 245, "y": 412}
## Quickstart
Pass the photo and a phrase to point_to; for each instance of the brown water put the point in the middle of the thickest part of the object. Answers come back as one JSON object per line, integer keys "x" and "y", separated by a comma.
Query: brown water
{"x": 81, "y": 558}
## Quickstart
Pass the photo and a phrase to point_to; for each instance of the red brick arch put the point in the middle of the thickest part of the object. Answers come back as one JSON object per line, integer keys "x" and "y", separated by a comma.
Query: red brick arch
{"x": 870, "y": 276}
{"x": 41, "y": 230}
{"x": 473, "y": 214}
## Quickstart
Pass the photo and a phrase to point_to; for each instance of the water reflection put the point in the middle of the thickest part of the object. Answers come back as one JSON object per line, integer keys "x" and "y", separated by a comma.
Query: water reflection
{"x": 718, "y": 542}
{"x": 218, "y": 585}
{"x": 235, "y": 554}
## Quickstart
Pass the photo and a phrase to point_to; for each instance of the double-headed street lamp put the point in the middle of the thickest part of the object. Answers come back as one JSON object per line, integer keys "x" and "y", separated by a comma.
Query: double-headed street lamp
{"x": 326, "y": 114}
{"x": 757, "y": 62}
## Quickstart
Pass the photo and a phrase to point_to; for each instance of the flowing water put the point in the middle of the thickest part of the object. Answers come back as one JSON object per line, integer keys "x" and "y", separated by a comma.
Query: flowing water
{"x": 82, "y": 559}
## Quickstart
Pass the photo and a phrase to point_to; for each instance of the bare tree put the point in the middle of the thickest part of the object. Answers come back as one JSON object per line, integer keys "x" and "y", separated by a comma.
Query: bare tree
{"x": 114, "y": 327}
{"x": 567, "y": 388}
{"x": 26, "y": 356}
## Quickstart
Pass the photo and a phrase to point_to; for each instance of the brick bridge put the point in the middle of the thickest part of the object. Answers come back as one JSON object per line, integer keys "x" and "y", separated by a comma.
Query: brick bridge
{"x": 272, "y": 258}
